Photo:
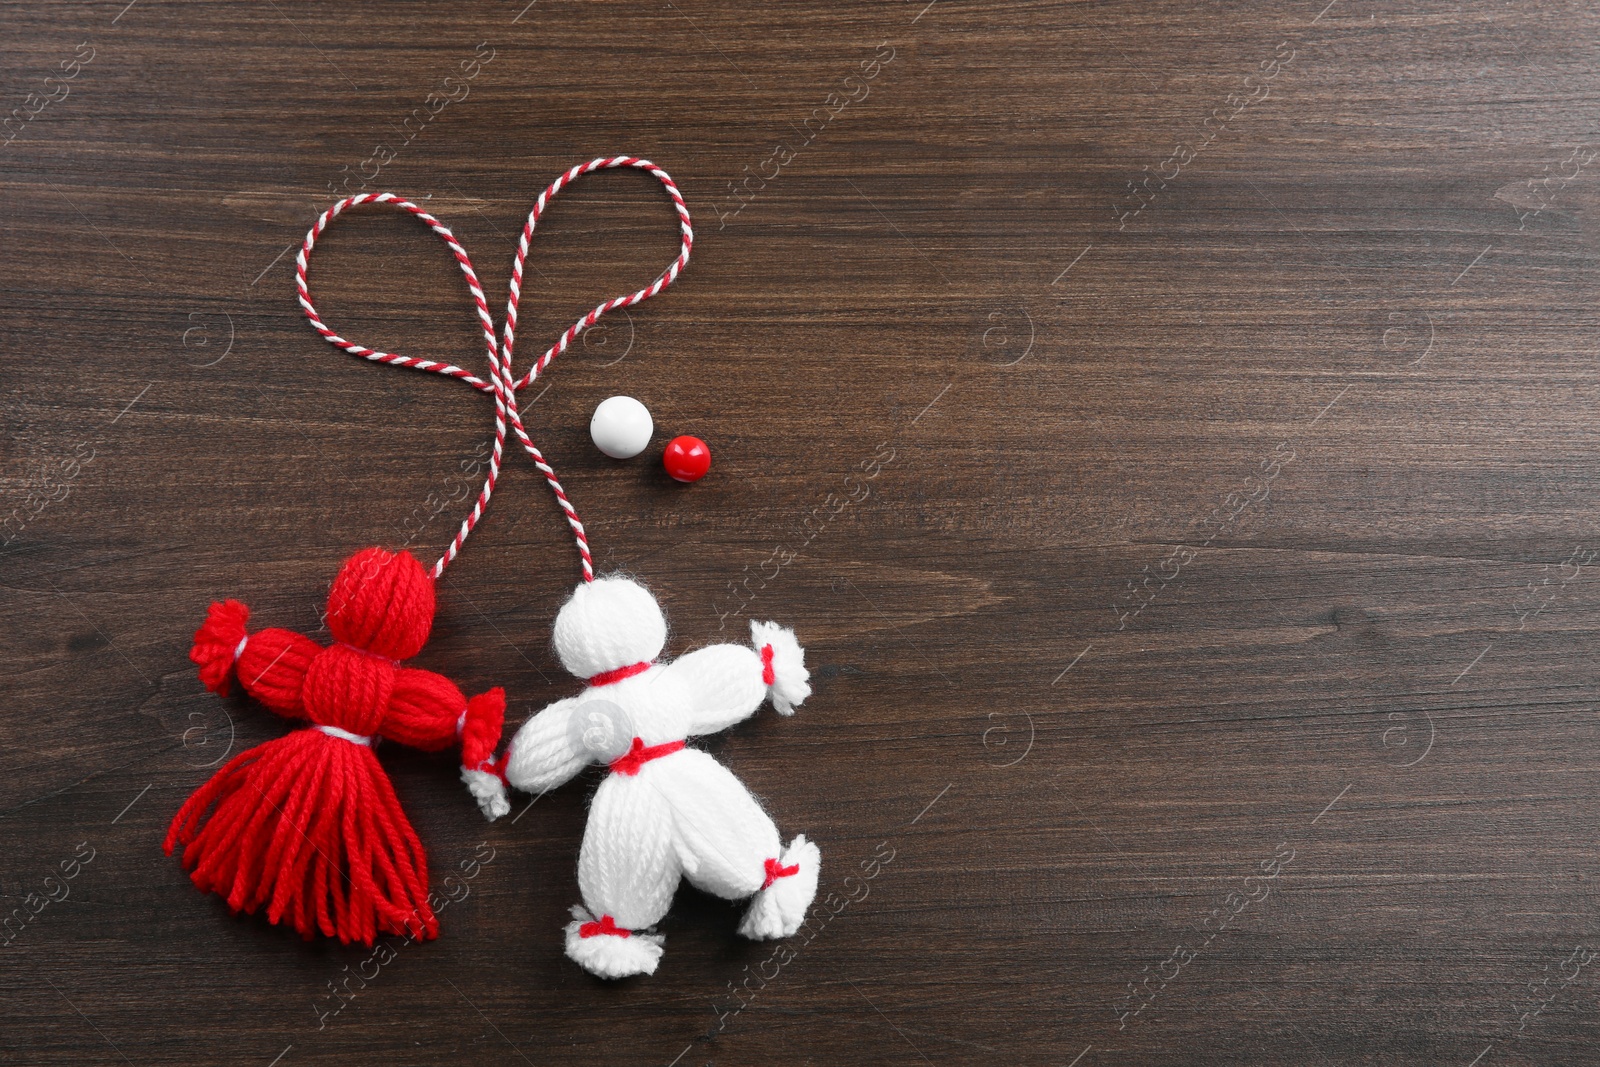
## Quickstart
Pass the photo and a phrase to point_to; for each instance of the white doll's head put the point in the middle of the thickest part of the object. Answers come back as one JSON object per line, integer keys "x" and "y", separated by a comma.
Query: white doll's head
{"x": 609, "y": 623}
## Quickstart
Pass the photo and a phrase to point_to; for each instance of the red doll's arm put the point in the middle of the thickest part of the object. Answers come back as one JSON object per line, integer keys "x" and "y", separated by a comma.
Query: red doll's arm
{"x": 271, "y": 664}
{"x": 427, "y": 711}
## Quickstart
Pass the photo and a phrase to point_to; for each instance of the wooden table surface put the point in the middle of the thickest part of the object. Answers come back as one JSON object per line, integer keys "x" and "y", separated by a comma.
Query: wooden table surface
{"x": 1170, "y": 427}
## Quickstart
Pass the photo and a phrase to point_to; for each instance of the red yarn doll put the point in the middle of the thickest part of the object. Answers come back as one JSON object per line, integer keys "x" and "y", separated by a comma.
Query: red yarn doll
{"x": 308, "y": 825}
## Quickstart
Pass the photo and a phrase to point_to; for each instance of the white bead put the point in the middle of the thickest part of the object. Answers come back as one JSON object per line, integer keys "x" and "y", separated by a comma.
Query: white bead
{"x": 621, "y": 427}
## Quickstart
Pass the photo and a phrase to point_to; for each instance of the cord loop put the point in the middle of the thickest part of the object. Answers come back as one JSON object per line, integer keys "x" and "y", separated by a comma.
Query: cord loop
{"x": 500, "y": 382}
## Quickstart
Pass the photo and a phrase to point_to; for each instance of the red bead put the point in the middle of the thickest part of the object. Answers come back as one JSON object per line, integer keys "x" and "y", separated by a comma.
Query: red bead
{"x": 687, "y": 459}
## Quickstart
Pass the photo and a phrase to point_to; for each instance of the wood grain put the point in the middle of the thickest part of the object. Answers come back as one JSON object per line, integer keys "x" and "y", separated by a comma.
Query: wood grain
{"x": 1211, "y": 650}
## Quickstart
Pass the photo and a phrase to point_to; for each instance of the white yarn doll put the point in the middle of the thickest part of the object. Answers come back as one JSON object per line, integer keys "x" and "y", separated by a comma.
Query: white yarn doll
{"x": 665, "y": 811}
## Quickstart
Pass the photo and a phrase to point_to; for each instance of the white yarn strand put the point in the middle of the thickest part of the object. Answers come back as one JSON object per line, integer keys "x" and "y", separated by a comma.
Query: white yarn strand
{"x": 345, "y": 735}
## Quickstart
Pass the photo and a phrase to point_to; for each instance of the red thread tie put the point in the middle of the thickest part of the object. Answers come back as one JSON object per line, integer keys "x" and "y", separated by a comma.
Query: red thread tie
{"x": 608, "y": 677}
{"x": 604, "y": 926}
{"x": 776, "y": 870}
{"x": 768, "y": 674}
{"x": 639, "y": 754}
{"x": 497, "y": 767}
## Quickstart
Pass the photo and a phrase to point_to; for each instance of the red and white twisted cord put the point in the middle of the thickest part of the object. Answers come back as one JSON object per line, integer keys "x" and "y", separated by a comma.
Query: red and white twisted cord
{"x": 500, "y": 382}
{"x": 666, "y": 278}
{"x": 485, "y": 320}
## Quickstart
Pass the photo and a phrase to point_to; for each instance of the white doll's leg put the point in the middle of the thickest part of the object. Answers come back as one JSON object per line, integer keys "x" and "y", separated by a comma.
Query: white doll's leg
{"x": 627, "y": 872}
{"x": 729, "y": 847}
{"x": 724, "y": 838}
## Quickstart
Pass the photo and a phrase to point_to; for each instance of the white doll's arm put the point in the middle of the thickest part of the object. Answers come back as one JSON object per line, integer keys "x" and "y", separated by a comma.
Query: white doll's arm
{"x": 727, "y": 683}
{"x": 723, "y": 684}
{"x": 546, "y": 751}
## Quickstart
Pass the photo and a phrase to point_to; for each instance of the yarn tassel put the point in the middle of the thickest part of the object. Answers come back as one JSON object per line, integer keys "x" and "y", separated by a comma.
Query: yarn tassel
{"x": 216, "y": 643}
{"x": 308, "y": 826}
{"x": 481, "y": 727}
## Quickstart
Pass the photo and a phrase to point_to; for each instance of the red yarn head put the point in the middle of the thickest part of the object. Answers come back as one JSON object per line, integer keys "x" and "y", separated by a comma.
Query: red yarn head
{"x": 382, "y": 602}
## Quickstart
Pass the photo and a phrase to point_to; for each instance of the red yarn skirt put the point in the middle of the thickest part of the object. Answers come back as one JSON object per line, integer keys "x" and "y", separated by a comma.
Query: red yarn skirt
{"x": 309, "y": 826}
